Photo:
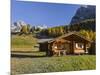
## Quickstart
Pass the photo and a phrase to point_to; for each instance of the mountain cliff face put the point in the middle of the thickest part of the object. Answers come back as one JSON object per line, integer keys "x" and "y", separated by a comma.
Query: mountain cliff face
{"x": 83, "y": 13}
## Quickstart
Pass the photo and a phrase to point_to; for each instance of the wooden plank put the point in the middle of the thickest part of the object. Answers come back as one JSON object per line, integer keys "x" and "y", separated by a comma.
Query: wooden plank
{"x": 85, "y": 47}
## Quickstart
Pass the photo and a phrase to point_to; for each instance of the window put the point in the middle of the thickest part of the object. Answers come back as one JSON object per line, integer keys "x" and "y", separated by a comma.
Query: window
{"x": 79, "y": 45}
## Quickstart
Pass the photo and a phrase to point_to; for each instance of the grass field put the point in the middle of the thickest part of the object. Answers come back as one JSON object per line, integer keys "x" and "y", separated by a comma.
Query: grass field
{"x": 25, "y": 58}
{"x": 23, "y": 43}
{"x": 52, "y": 64}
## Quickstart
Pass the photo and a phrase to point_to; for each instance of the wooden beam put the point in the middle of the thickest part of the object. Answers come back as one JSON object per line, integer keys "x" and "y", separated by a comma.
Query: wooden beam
{"x": 72, "y": 46}
{"x": 85, "y": 47}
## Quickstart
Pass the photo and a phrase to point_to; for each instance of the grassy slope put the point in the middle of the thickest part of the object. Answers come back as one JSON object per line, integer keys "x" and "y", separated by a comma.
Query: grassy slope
{"x": 53, "y": 64}
{"x": 22, "y": 43}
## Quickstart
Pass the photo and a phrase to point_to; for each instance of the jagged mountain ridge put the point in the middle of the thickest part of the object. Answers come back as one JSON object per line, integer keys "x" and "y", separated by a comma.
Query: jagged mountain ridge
{"x": 17, "y": 26}
{"x": 83, "y": 13}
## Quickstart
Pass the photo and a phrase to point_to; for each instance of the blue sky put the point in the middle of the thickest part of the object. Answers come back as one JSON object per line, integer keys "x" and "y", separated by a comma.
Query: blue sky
{"x": 39, "y": 13}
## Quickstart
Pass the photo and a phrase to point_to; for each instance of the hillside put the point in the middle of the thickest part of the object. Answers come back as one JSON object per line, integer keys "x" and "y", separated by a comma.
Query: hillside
{"x": 23, "y": 43}
{"x": 88, "y": 25}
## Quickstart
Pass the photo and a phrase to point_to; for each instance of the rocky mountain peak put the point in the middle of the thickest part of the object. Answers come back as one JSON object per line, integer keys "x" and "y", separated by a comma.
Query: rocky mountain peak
{"x": 83, "y": 13}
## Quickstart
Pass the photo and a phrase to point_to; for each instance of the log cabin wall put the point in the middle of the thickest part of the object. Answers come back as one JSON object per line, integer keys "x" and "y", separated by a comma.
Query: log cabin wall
{"x": 61, "y": 44}
{"x": 77, "y": 39}
{"x": 49, "y": 51}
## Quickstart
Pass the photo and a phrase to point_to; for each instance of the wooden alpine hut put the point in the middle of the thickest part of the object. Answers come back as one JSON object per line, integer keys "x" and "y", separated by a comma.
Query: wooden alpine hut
{"x": 70, "y": 43}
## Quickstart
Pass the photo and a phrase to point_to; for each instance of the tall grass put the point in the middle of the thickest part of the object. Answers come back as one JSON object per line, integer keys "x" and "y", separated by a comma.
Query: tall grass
{"x": 53, "y": 64}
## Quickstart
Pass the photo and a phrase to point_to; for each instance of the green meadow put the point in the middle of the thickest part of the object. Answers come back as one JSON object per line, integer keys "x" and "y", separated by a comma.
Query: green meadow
{"x": 52, "y": 64}
{"x": 23, "y": 43}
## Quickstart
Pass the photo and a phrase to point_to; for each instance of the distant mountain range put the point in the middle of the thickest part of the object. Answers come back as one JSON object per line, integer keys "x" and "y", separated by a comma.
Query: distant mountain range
{"x": 17, "y": 26}
{"x": 83, "y": 13}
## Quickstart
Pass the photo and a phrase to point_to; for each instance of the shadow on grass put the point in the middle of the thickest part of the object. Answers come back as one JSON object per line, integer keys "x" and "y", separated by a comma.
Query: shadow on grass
{"x": 26, "y": 56}
{"x": 24, "y": 51}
